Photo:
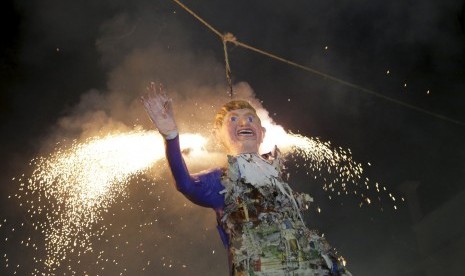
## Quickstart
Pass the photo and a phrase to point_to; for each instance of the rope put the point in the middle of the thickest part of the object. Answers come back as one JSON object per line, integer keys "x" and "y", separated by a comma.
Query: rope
{"x": 226, "y": 61}
{"x": 228, "y": 37}
{"x": 346, "y": 83}
{"x": 199, "y": 18}
{"x": 224, "y": 38}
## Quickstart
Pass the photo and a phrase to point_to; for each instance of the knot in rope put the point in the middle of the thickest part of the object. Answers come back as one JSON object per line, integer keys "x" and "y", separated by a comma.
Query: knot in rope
{"x": 229, "y": 37}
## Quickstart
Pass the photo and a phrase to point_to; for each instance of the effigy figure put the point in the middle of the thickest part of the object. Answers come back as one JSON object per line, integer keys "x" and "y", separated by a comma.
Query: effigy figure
{"x": 258, "y": 214}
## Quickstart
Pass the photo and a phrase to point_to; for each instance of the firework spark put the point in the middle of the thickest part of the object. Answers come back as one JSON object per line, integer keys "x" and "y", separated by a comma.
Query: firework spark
{"x": 73, "y": 187}
{"x": 321, "y": 160}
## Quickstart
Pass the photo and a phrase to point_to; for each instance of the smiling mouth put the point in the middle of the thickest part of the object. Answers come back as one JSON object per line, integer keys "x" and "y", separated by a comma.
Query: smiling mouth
{"x": 247, "y": 132}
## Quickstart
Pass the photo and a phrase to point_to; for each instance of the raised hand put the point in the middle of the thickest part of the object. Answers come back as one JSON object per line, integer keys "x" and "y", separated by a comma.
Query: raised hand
{"x": 158, "y": 107}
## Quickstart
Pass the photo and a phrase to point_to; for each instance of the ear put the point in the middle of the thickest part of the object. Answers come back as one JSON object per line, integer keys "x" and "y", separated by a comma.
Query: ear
{"x": 263, "y": 134}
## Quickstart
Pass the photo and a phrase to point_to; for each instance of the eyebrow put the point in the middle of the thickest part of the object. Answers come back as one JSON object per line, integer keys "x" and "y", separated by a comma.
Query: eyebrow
{"x": 232, "y": 113}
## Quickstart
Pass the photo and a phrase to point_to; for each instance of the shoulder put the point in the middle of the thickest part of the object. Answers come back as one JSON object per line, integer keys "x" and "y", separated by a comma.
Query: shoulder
{"x": 215, "y": 172}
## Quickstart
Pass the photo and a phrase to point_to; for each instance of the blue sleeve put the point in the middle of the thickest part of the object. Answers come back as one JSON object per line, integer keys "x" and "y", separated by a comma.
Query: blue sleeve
{"x": 203, "y": 188}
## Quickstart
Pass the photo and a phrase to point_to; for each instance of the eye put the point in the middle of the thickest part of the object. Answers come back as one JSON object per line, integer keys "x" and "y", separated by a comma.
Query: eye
{"x": 250, "y": 119}
{"x": 233, "y": 119}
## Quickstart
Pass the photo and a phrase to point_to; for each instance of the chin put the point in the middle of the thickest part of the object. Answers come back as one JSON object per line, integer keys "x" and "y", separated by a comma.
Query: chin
{"x": 249, "y": 149}
{"x": 243, "y": 146}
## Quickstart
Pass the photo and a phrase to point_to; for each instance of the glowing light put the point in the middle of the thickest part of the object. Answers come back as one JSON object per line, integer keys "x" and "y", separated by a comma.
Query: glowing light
{"x": 80, "y": 183}
{"x": 74, "y": 186}
{"x": 321, "y": 158}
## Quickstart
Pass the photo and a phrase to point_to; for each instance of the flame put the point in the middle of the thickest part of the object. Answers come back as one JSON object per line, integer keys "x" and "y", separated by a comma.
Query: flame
{"x": 275, "y": 135}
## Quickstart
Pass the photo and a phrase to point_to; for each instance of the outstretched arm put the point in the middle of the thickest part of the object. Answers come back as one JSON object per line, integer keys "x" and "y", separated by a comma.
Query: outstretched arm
{"x": 158, "y": 107}
{"x": 202, "y": 189}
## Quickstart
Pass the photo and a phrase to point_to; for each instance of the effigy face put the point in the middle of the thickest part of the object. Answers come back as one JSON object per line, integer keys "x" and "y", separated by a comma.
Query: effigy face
{"x": 241, "y": 131}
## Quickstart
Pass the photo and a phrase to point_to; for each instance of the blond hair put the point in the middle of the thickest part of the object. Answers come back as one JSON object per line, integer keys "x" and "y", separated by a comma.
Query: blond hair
{"x": 229, "y": 106}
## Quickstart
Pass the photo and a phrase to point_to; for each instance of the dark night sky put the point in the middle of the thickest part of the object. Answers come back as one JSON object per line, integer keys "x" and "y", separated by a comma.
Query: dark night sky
{"x": 63, "y": 62}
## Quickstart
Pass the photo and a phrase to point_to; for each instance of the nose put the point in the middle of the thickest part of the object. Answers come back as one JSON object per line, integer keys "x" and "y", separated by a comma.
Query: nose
{"x": 243, "y": 121}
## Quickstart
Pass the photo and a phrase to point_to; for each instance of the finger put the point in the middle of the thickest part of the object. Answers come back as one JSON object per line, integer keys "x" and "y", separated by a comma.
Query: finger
{"x": 147, "y": 94}
{"x": 150, "y": 89}
{"x": 146, "y": 105}
{"x": 162, "y": 90}
{"x": 146, "y": 98}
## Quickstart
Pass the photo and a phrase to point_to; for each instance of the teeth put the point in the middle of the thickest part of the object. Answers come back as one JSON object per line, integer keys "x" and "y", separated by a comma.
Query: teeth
{"x": 245, "y": 132}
